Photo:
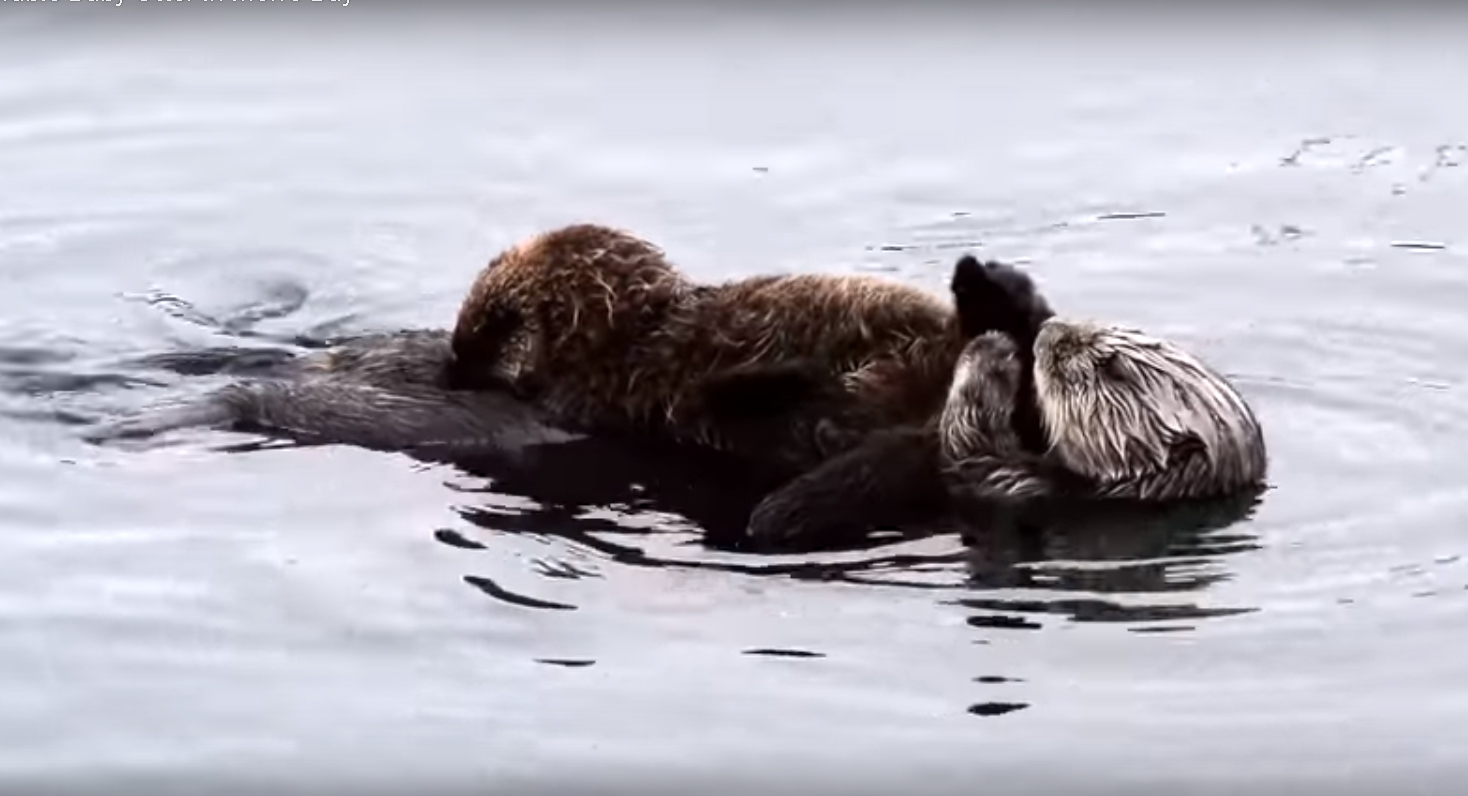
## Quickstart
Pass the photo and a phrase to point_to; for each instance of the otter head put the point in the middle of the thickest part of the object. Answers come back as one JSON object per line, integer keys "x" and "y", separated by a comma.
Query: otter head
{"x": 976, "y": 416}
{"x": 492, "y": 339}
{"x": 995, "y": 297}
{"x": 1119, "y": 405}
{"x": 559, "y": 300}
{"x": 490, "y": 351}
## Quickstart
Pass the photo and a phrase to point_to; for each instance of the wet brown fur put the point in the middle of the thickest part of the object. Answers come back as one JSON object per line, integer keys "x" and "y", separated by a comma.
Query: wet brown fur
{"x": 1130, "y": 417}
{"x": 1125, "y": 416}
{"x": 984, "y": 443}
{"x": 971, "y": 450}
{"x": 596, "y": 325}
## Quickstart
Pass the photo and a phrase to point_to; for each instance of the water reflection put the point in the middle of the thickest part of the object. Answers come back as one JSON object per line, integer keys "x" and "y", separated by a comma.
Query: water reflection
{"x": 1081, "y": 550}
{"x": 1106, "y": 548}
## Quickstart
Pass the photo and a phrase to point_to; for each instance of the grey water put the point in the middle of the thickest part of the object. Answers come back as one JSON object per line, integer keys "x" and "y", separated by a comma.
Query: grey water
{"x": 1280, "y": 190}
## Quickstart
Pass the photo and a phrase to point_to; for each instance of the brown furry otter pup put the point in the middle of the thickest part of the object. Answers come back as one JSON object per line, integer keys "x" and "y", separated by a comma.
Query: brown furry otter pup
{"x": 597, "y": 326}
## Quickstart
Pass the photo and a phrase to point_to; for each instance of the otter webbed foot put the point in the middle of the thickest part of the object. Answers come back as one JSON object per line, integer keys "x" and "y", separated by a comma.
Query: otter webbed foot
{"x": 891, "y": 477}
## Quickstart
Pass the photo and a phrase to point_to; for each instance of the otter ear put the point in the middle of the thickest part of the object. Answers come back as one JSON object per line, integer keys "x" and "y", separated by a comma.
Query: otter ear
{"x": 766, "y": 390}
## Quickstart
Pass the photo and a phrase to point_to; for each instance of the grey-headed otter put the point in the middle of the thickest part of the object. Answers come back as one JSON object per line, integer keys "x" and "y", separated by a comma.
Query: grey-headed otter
{"x": 598, "y": 327}
{"x": 1128, "y": 416}
{"x": 1124, "y": 415}
{"x": 1142, "y": 417}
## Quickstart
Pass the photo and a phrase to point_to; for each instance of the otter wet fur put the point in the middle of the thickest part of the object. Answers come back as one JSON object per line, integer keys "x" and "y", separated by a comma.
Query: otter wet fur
{"x": 597, "y": 326}
{"x": 1121, "y": 415}
{"x": 1130, "y": 417}
{"x": 981, "y": 452}
{"x": 899, "y": 472}
{"x": 1141, "y": 417}
{"x": 382, "y": 391}
{"x": 971, "y": 450}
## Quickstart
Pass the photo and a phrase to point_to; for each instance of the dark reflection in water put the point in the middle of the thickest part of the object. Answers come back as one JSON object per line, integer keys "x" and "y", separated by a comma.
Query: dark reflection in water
{"x": 785, "y": 653}
{"x": 568, "y": 663}
{"x": 996, "y": 708}
{"x": 1095, "y": 549}
{"x": 1105, "y": 548}
{"x": 1006, "y": 622}
{"x": 502, "y": 594}
{"x": 631, "y": 476}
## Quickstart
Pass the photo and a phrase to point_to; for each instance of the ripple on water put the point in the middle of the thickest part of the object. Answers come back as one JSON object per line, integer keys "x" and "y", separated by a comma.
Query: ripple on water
{"x": 218, "y": 605}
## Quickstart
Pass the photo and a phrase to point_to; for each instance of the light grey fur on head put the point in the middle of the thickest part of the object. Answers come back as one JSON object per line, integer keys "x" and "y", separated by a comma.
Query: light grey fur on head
{"x": 1141, "y": 416}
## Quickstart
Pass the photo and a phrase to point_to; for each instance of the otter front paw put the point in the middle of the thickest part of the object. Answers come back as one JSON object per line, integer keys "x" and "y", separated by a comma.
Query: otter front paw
{"x": 832, "y": 439}
{"x": 786, "y": 520}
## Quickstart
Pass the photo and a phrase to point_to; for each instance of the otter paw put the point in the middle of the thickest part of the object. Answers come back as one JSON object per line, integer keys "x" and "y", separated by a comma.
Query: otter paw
{"x": 832, "y": 439}
{"x": 782, "y": 522}
{"x": 772, "y": 521}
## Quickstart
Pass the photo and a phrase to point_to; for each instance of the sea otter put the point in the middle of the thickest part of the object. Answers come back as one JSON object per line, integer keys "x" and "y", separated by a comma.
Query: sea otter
{"x": 1125, "y": 416}
{"x": 598, "y": 327}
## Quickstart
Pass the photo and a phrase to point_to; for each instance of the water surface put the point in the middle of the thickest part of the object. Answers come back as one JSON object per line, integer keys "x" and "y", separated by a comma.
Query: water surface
{"x": 1281, "y": 195}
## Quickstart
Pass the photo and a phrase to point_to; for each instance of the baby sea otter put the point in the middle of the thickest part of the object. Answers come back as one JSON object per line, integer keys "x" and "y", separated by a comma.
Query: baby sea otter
{"x": 598, "y": 327}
